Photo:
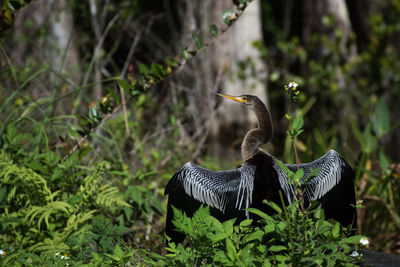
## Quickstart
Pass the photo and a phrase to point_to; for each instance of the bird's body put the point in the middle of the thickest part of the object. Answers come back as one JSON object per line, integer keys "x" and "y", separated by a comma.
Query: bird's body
{"x": 229, "y": 193}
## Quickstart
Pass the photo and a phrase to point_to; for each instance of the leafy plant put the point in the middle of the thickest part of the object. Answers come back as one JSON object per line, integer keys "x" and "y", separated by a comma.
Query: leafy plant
{"x": 289, "y": 237}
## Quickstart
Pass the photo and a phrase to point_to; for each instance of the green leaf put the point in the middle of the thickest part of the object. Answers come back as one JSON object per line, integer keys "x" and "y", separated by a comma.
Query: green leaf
{"x": 332, "y": 247}
{"x": 281, "y": 226}
{"x": 381, "y": 119}
{"x": 273, "y": 205}
{"x": 323, "y": 228}
{"x": 171, "y": 63}
{"x": 157, "y": 70}
{"x": 283, "y": 166}
{"x": 93, "y": 113}
{"x": 220, "y": 257}
{"x": 281, "y": 258}
{"x": 269, "y": 228}
{"x": 118, "y": 251}
{"x": 143, "y": 69}
{"x": 230, "y": 249}
{"x": 185, "y": 54}
{"x": 274, "y": 76}
{"x": 260, "y": 213}
{"x": 198, "y": 41}
{"x": 266, "y": 263}
{"x": 370, "y": 142}
{"x": 3, "y": 192}
{"x": 214, "y": 30}
{"x": 116, "y": 258}
{"x": 262, "y": 249}
{"x": 254, "y": 235}
{"x": 298, "y": 123}
{"x": 298, "y": 175}
{"x": 11, "y": 133}
{"x": 276, "y": 248}
{"x": 356, "y": 131}
{"x": 226, "y": 16}
{"x": 218, "y": 237}
{"x": 245, "y": 223}
{"x": 353, "y": 239}
{"x": 384, "y": 161}
{"x": 124, "y": 85}
{"x": 336, "y": 230}
{"x": 313, "y": 173}
{"x": 298, "y": 132}
{"x": 228, "y": 226}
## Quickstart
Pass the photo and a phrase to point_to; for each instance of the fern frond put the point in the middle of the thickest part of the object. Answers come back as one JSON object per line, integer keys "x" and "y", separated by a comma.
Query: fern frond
{"x": 44, "y": 212}
{"x": 75, "y": 220}
{"x": 48, "y": 244}
{"x": 5, "y": 158}
{"x": 25, "y": 187}
{"x": 111, "y": 197}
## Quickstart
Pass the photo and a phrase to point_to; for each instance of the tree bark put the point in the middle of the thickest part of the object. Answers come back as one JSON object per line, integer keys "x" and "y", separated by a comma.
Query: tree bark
{"x": 57, "y": 49}
{"x": 217, "y": 69}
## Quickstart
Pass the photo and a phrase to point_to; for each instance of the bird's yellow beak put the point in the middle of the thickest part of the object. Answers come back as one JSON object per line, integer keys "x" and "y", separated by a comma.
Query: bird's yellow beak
{"x": 236, "y": 98}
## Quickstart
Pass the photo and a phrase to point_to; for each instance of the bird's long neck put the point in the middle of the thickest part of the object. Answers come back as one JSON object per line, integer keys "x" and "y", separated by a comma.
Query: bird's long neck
{"x": 260, "y": 135}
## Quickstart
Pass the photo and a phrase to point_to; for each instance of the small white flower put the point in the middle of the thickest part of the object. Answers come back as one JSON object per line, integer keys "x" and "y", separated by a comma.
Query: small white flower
{"x": 2, "y": 252}
{"x": 292, "y": 85}
{"x": 56, "y": 254}
{"x": 364, "y": 241}
{"x": 354, "y": 254}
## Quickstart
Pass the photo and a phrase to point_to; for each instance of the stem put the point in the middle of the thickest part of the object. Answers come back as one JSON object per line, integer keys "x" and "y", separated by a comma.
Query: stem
{"x": 288, "y": 222}
{"x": 300, "y": 196}
{"x": 295, "y": 152}
{"x": 123, "y": 103}
{"x": 298, "y": 191}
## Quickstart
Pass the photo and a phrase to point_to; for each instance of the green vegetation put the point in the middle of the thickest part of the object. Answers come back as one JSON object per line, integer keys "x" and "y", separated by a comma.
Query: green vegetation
{"x": 81, "y": 179}
{"x": 290, "y": 237}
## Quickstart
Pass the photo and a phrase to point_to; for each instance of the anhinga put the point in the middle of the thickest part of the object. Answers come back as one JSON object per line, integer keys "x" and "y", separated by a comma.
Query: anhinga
{"x": 230, "y": 192}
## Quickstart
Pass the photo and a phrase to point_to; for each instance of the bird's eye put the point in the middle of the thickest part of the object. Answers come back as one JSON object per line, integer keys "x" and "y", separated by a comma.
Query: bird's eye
{"x": 244, "y": 98}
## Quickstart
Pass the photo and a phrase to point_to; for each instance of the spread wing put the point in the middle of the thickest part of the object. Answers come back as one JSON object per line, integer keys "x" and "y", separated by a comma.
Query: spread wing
{"x": 223, "y": 190}
{"x": 227, "y": 191}
{"x": 333, "y": 186}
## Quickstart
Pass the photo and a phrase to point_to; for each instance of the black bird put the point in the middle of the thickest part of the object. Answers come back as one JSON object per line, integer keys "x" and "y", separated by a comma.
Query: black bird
{"x": 229, "y": 192}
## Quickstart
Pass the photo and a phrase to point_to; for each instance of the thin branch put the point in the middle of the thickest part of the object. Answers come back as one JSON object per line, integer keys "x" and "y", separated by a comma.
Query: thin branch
{"x": 95, "y": 56}
{"x": 130, "y": 54}
{"x": 124, "y": 110}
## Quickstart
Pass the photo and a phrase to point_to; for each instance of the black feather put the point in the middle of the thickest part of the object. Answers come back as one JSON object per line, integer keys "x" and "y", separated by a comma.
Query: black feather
{"x": 257, "y": 179}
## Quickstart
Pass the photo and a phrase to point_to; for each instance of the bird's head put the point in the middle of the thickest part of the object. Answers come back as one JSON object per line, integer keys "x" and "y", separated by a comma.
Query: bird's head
{"x": 249, "y": 100}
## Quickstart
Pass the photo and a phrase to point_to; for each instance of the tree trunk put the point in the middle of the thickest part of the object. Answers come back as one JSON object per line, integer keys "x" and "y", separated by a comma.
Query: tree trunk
{"x": 217, "y": 69}
{"x": 315, "y": 13}
{"x": 58, "y": 49}
{"x": 234, "y": 120}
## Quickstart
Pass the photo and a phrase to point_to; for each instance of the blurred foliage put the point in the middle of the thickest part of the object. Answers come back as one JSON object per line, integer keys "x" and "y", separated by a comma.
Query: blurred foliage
{"x": 81, "y": 180}
{"x": 350, "y": 102}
